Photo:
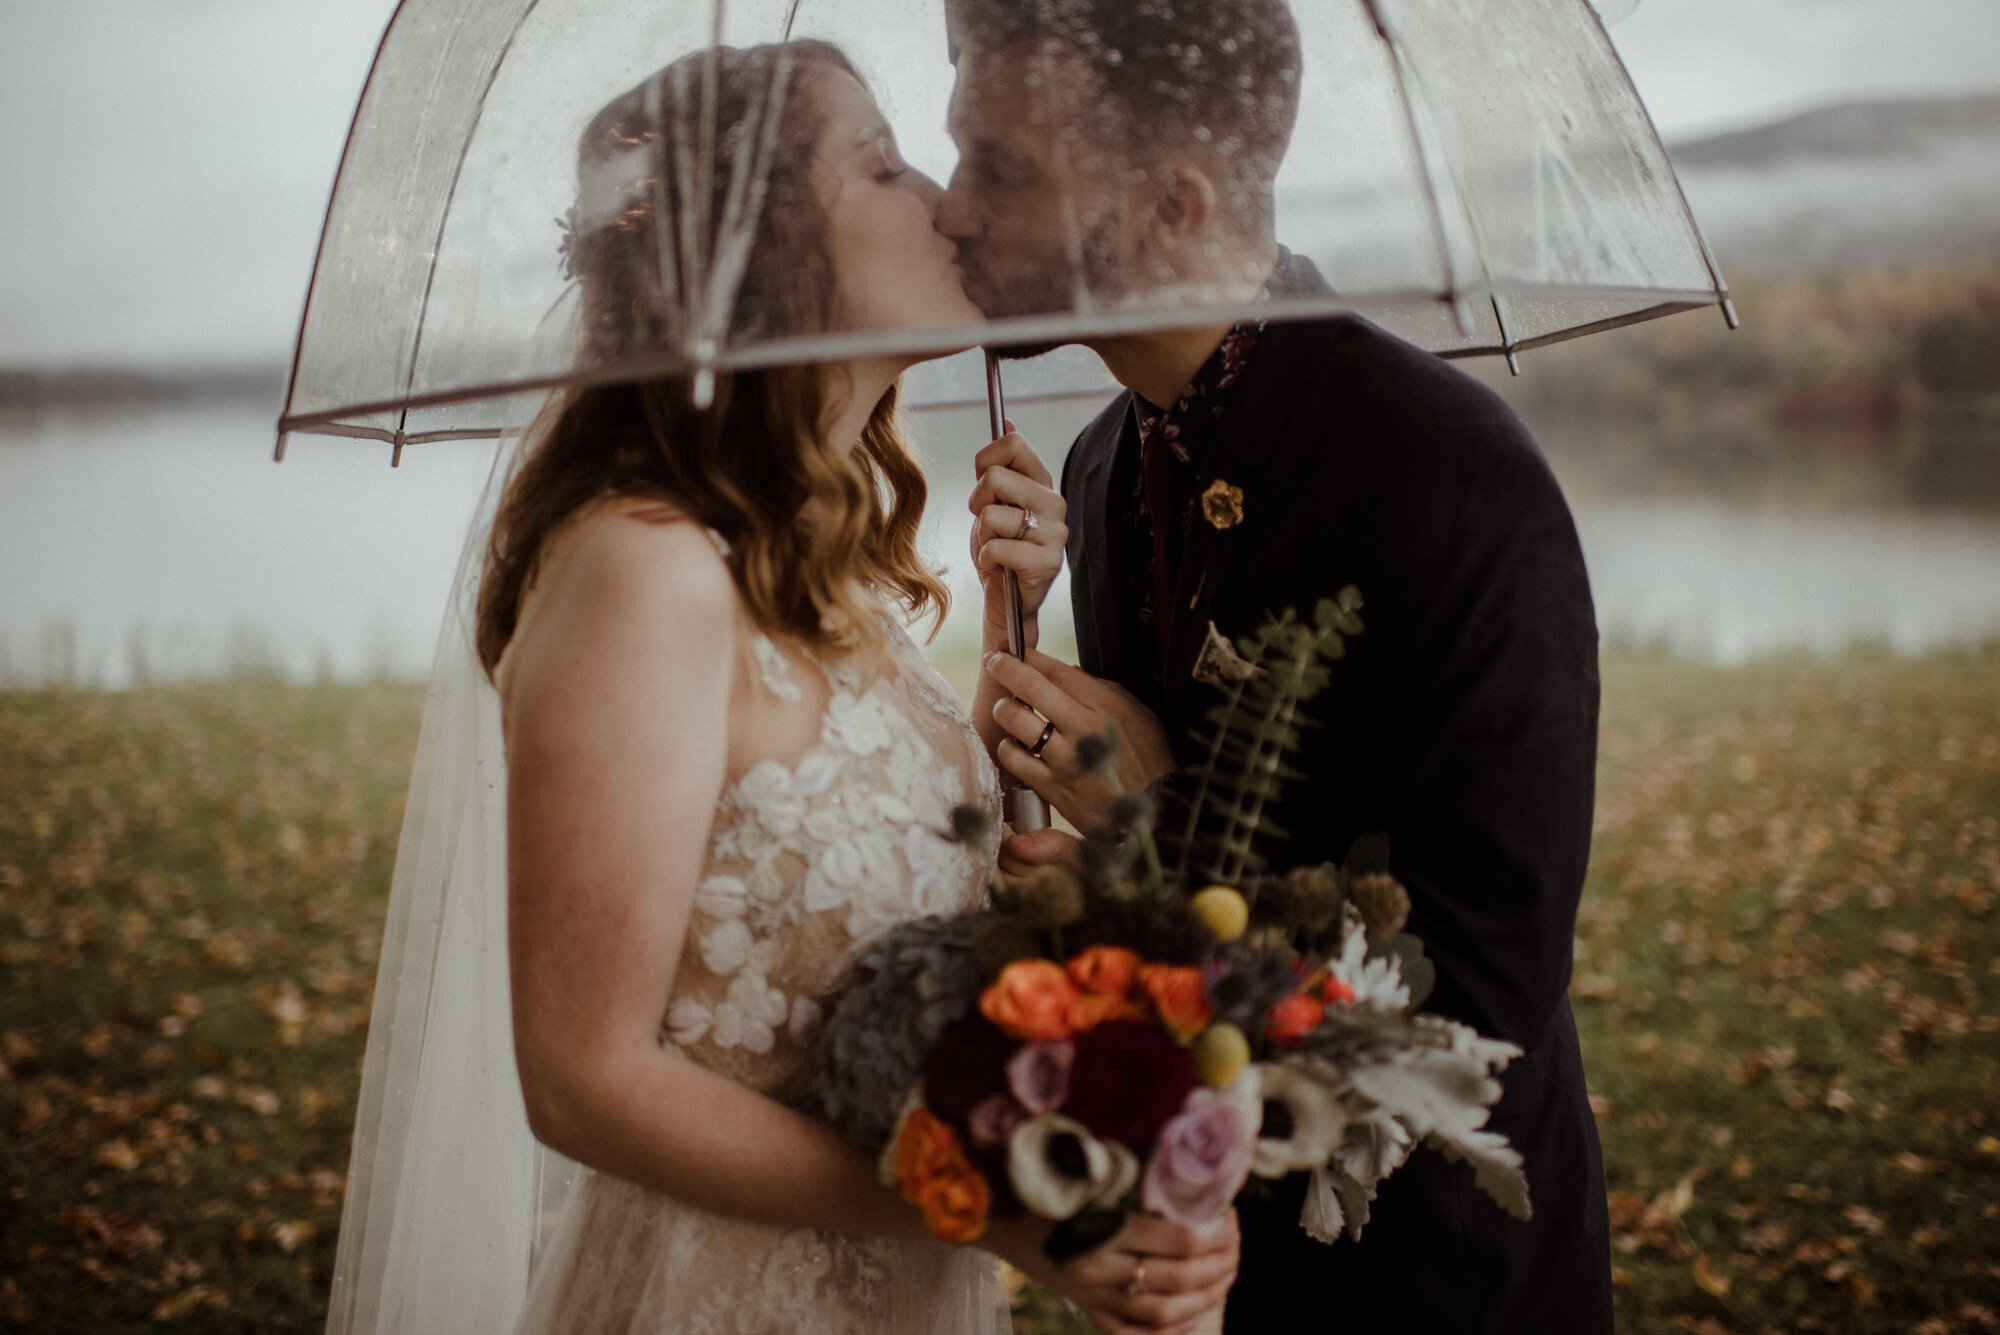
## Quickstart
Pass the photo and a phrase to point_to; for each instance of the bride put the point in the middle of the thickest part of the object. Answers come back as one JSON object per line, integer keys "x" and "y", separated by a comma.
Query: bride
{"x": 727, "y": 770}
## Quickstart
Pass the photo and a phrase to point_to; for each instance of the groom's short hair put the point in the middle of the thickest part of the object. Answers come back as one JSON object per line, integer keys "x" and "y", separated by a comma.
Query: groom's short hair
{"x": 1221, "y": 76}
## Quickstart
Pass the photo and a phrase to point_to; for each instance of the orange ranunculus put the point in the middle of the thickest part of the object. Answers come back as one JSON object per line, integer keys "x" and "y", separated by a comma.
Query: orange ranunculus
{"x": 1179, "y": 996}
{"x": 1336, "y": 993}
{"x": 1292, "y": 1019}
{"x": 955, "y": 1203}
{"x": 1105, "y": 970}
{"x": 933, "y": 1173}
{"x": 921, "y": 1139}
{"x": 1030, "y": 1000}
{"x": 1091, "y": 1009}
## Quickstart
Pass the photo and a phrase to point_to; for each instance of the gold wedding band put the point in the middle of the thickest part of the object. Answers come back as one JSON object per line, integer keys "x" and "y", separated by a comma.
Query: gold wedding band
{"x": 1048, "y": 731}
{"x": 1137, "y": 1287}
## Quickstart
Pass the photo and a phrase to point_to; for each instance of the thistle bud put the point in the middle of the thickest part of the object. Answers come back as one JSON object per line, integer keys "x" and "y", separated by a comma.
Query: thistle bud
{"x": 1094, "y": 751}
{"x": 1383, "y": 902}
{"x": 1000, "y": 942}
{"x": 1132, "y": 811}
{"x": 1050, "y": 898}
{"x": 1102, "y": 860}
{"x": 1306, "y": 897}
{"x": 970, "y": 825}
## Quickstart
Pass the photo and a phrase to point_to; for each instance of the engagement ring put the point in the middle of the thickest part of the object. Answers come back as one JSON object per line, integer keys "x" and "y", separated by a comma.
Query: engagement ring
{"x": 1137, "y": 1287}
{"x": 1028, "y": 524}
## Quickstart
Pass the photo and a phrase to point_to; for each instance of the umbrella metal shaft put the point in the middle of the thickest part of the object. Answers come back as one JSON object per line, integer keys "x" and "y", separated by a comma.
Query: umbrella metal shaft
{"x": 1025, "y": 809}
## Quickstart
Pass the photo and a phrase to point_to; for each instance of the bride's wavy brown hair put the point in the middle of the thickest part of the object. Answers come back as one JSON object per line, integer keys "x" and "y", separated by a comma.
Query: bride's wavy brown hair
{"x": 751, "y": 462}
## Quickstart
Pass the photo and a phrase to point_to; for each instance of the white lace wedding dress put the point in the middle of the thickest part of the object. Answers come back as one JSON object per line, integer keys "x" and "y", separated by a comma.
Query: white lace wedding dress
{"x": 808, "y": 864}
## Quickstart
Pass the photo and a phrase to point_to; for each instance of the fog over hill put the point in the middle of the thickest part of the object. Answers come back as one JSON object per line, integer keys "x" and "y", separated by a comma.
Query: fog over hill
{"x": 1854, "y": 185}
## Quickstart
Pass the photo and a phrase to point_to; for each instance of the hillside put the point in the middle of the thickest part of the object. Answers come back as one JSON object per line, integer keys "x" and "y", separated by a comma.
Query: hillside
{"x": 1863, "y": 185}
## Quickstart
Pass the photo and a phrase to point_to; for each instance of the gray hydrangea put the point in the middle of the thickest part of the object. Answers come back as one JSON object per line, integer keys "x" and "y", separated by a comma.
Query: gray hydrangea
{"x": 906, "y": 990}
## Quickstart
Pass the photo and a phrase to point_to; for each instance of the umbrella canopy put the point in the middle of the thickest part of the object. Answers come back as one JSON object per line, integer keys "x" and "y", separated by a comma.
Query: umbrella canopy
{"x": 1477, "y": 175}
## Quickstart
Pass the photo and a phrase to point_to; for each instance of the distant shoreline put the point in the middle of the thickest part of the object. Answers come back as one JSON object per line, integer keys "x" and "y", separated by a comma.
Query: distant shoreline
{"x": 26, "y": 391}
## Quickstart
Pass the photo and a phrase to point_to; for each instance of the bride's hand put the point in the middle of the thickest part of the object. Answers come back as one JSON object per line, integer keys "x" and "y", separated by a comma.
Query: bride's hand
{"x": 1152, "y": 1278}
{"x": 1014, "y": 484}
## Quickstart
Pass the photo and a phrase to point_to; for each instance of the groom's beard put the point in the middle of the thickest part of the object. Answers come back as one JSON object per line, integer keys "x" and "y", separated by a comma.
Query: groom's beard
{"x": 1050, "y": 288}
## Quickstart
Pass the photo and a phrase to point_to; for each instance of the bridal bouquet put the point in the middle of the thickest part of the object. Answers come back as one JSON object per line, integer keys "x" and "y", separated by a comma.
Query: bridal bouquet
{"x": 1176, "y": 1020}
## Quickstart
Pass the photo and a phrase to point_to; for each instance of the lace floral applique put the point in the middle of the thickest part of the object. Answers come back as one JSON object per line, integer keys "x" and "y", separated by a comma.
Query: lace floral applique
{"x": 811, "y": 861}
{"x": 775, "y": 669}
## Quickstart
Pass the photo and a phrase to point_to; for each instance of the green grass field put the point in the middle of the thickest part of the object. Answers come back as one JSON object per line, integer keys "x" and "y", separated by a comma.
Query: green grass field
{"x": 1788, "y": 983}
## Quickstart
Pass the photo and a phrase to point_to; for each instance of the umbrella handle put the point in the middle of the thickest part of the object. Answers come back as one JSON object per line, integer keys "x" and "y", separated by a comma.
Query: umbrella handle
{"x": 1024, "y": 807}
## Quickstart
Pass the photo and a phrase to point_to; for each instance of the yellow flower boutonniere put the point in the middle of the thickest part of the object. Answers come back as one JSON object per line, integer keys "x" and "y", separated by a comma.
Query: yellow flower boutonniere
{"x": 1222, "y": 504}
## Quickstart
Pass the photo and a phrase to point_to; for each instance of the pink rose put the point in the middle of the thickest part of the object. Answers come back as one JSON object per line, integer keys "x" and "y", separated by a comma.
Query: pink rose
{"x": 994, "y": 1118}
{"x": 1200, "y": 1163}
{"x": 1038, "y": 1075}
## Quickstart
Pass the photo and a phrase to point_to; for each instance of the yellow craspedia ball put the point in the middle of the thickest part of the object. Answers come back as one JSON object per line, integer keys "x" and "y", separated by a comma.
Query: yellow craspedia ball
{"x": 1224, "y": 910}
{"x": 1220, "y": 1053}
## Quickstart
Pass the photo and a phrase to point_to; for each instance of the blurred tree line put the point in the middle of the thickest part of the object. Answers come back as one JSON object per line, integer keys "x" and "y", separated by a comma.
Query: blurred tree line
{"x": 1895, "y": 373}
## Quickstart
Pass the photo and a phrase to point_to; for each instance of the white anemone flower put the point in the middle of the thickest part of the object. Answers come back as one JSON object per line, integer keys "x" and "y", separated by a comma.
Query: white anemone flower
{"x": 1303, "y": 1121}
{"x": 1375, "y": 982}
{"x": 1123, "y": 1177}
{"x": 1057, "y": 1167}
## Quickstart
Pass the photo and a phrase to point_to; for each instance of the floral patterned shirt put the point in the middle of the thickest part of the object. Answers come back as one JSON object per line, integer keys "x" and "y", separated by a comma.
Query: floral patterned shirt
{"x": 1175, "y": 445}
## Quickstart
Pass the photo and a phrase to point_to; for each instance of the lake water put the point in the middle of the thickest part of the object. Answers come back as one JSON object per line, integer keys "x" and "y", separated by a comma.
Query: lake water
{"x": 166, "y": 545}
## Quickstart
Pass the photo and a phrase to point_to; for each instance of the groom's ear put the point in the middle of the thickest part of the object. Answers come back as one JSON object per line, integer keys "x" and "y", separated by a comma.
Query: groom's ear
{"x": 1184, "y": 200}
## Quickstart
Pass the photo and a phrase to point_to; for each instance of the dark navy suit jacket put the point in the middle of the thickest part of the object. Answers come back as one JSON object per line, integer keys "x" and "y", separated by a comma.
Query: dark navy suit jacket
{"x": 1463, "y": 722}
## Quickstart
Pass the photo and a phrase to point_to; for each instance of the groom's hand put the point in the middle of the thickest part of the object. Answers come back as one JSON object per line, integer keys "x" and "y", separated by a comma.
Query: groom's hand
{"x": 1044, "y": 691}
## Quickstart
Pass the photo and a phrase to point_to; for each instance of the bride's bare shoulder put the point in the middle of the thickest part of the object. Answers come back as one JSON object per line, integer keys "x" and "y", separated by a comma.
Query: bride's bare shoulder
{"x": 636, "y": 546}
{"x": 622, "y": 572}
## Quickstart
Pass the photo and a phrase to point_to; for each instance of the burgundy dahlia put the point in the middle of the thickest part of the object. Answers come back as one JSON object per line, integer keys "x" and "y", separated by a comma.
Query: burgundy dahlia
{"x": 1128, "y": 1078}
{"x": 968, "y": 1066}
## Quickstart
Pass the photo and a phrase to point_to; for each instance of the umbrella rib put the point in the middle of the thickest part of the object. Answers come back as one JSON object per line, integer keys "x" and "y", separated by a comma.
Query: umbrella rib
{"x": 326, "y": 222}
{"x": 747, "y": 188}
{"x": 1438, "y": 235}
{"x": 664, "y": 243}
{"x": 1719, "y": 290}
{"x": 444, "y": 217}
{"x": 1610, "y": 322}
{"x": 711, "y": 97}
{"x": 1500, "y": 322}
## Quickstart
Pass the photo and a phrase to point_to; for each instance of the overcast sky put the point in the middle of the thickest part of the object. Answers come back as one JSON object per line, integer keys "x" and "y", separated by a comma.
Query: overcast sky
{"x": 164, "y": 165}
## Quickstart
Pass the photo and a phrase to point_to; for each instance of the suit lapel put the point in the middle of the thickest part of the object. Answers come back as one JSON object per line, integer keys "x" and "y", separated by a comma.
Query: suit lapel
{"x": 1098, "y": 561}
{"x": 1094, "y": 498}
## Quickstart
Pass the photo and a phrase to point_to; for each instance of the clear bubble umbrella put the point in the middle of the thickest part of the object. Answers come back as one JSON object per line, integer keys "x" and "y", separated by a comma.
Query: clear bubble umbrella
{"x": 541, "y": 194}
{"x": 1478, "y": 176}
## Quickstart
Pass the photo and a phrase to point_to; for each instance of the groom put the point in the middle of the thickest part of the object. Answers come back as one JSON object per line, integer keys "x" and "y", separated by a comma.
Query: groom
{"x": 1121, "y": 155}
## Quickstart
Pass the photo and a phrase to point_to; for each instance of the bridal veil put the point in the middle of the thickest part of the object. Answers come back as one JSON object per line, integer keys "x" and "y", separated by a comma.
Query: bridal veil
{"x": 447, "y": 1191}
